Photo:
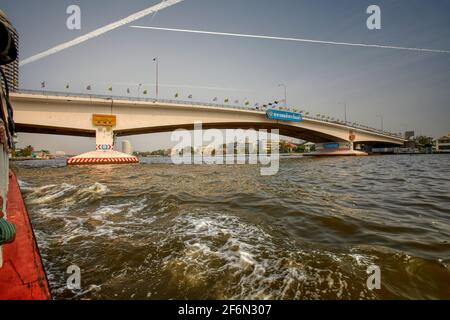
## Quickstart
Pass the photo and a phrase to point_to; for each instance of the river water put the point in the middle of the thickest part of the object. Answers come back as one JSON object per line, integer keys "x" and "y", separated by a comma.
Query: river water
{"x": 161, "y": 231}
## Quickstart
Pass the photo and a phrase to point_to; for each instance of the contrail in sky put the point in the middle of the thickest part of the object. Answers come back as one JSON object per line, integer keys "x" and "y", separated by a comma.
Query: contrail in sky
{"x": 294, "y": 39}
{"x": 100, "y": 31}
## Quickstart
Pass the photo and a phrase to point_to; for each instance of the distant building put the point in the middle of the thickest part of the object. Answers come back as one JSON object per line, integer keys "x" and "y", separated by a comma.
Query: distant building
{"x": 174, "y": 152}
{"x": 12, "y": 69}
{"x": 208, "y": 150}
{"x": 42, "y": 155}
{"x": 188, "y": 150}
{"x": 269, "y": 145}
{"x": 309, "y": 146}
{"x": 443, "y": 144}
{"x": 127, "y": 147}
{"x": 288, "y": 146}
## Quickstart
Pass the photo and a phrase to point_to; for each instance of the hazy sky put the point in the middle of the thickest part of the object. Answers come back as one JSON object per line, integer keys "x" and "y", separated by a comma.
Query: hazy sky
{"x": 409, "y": 89}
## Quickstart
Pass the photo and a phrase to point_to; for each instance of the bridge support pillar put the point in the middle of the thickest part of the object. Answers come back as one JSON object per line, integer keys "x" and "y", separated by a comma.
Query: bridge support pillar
{"x": 336, "y": 149}
{"x": 104, "y": 145}
{"x": 104, "y": 138}
{"x": 350, "y": 145}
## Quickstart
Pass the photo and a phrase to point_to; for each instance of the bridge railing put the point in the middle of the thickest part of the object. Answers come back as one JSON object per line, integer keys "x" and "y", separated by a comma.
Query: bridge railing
{"x": 214, "y": 105}
{"x": 130, "y": 98}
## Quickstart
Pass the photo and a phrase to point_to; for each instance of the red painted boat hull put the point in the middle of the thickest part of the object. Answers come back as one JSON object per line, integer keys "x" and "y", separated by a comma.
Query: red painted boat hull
{"x": 22, "y": 276}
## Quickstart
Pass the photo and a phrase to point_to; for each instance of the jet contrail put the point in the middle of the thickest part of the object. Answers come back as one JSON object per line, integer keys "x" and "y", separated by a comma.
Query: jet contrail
{"x": 294, "y": 39}
{"x": 100, "y": 31}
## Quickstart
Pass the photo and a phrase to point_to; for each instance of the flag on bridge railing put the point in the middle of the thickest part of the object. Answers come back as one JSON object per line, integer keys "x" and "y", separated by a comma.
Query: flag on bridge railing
{"x": 110, "y": 88}
{"x": 43, "y": 84}
{"x": 190, "y": 96}
{"x": 226, "y": 100}
{"x": 247, "y": 103}
{"x": 145, "y": 92}
{"x": 176, "y": 95}
{"x": 89, "y": 88}
{"x": 128, "y": 90}
{"x": 215, "y": 99}
{"x": 67, "y": 86}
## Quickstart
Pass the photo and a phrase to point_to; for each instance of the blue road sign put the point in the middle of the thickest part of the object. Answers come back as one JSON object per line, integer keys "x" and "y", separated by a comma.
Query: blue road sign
{"x": 284, "y": 115}
{"x": 331, "y": 145}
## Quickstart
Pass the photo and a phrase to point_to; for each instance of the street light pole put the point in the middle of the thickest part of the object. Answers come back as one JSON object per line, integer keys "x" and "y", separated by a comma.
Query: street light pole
{"x": 345, "y": 110}
{"x": 139, "y": 90}
{"x": 285, "y": 93}
{"x": 381, "y": 119}
{"x": 157, "y": 71}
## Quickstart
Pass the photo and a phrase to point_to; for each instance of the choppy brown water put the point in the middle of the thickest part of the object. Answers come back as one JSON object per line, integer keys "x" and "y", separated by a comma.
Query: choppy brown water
{"x": 160, "y": 231}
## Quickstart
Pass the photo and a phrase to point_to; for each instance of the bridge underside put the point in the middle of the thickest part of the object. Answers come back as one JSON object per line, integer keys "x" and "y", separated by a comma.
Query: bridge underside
{"x": 285, "y": 130}
{"x": 31, "y": 128}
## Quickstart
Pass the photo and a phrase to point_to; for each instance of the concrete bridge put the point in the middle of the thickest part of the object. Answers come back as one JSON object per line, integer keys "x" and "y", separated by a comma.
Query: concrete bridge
{"x": 64, "y": 114}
